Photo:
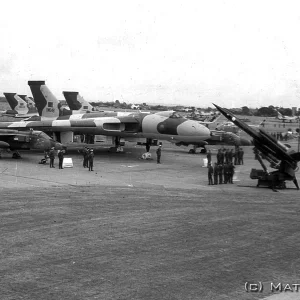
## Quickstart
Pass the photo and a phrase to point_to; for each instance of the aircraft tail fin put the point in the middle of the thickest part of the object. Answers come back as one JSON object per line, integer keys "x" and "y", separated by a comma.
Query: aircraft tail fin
{"x": 30, "y": 103}
{"x": 16, "y": 103}
{"x": 76, "y": 102}
{"x": 46, "y": 103}
{"x": 279, "y": 115}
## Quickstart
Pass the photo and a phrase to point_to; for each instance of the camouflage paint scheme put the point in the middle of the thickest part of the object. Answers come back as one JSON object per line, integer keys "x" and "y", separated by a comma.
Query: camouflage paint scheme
{"x": 21, "y": 105}
{"x": 24, "y": 140}
{"x": 30, "y": 104}
{"x": 163, "y": 125}
{"x": 140, "y": 125}
{"x": 17, "y": 104}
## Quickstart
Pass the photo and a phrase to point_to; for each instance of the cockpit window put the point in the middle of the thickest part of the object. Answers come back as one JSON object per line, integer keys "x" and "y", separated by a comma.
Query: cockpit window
{"x": 169, "y": 114}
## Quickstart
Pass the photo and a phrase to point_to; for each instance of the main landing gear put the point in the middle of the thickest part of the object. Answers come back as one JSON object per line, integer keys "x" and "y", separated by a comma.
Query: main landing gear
{"x": 193, "y": 151}
{"x": 16, "y": 155}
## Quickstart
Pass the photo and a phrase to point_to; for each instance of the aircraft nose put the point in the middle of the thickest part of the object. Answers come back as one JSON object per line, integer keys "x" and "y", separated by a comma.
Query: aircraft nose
{"x": 57, "y": 146}
{"x": 193, "y": 128}
{"x": 246, "y": 142}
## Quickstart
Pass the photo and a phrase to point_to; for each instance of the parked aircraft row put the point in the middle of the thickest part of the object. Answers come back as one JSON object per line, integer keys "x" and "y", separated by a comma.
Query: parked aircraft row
{"x": 64, "y": 123}
{"x": 23, "y": 106}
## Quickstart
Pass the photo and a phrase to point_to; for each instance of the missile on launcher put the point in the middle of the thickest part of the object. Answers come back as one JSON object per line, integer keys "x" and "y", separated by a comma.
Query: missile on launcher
{"x": 279, "y": 155}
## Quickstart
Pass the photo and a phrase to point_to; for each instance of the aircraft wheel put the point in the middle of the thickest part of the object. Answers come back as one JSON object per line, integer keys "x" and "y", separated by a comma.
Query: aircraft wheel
{"x": 204, "y": 150}
{"x": 192, "y": 151}
{"x": 16, "y": 155}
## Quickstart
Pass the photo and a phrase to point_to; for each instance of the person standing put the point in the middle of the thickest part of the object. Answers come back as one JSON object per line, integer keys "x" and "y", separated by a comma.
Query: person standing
{"x": 215, "y": 174}
{"x": 222, "y": 156}
{"x": 225, "y": 170}
{"x": 91, "y": 159}
{"x": 230, "y": 172}
{"x": 158, "y": 154}
{"x": 226, "y": 156}
{"x": 219, "y": 156}
{"x": 208, "y": 158}
{"x": 52, "y": 157}
{"x": 210, "y": 174}
{"x": 85, "y": 157}
{"x": 236, "y": 155}
{"x": 241, "y": 156}
{"x": 220, "y": 173}
{"x": 230, "y": 156}
{"x": 85, "y": 153}
{"x": 60, "y": 158}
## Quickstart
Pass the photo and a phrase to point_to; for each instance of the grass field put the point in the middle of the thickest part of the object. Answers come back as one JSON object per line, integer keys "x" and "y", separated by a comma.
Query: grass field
{"x": 112, "y": 242}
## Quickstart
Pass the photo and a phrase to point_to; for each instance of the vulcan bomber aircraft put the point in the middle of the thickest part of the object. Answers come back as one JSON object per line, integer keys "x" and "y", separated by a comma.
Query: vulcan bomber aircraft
{"x": 141, "y": 126}
{"x": 280, "y": 156}
{"x": 173, "y": 128}
{"x": 15, "y": 140}
{"x": 117, "y": 125}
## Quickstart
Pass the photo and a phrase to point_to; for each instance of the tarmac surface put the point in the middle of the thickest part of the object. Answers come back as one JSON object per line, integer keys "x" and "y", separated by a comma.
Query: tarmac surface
{"x": 135, "y": 229}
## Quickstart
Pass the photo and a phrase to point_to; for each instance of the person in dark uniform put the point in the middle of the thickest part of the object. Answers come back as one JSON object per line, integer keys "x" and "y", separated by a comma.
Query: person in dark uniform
{"x": 230, "y": 155}
{"x": 208, "y": 157}
{"x": 236, "y": 155}
{"x": 158, "y": 154}
{"x": 241, "y": 156}
{"x": 230, "y": 172}
{"x": 222, "y": 156}
{"x": 85, "y": 157}
{"x": 215, "y": 174}
{"x": 91, "y": 159}
{"x": 60, "y": 158}
{"x": 225, "y": 171}
{"x": 52, "y": 157}
{"x": 210, "y": 174}
{"x": 220, "y": 173}
{"x": 85, "y": 153}
{"x": 226, "y": 156}
{"x": 219, "y": 156}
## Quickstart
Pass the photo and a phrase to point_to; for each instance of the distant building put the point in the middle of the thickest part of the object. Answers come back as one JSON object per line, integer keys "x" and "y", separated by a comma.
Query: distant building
{"x": 294, "y": 111}
{"x": 135, "y": 106}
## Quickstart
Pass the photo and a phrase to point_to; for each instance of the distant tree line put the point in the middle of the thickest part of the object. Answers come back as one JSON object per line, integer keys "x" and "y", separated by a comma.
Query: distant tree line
{"x": 270, "y": 111}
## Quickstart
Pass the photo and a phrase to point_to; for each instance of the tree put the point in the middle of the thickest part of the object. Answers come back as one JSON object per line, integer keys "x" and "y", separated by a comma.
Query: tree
{"x": 246, "y": 111}
{"x": 266, "y": 112}
{"x": 286, "y": 111}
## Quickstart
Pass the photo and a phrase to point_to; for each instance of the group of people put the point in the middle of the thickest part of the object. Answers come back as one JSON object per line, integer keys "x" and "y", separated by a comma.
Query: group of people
{"x": 51, "y": 155}
{"x": 223, "y": 170}
{"x": 228, "y": 156}
{"x": 88, "y": 158}
{"x": 220, "y": 173}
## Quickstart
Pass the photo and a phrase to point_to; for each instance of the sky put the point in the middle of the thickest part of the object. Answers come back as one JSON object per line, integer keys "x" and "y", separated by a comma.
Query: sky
{"x": 191, "y": 53}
